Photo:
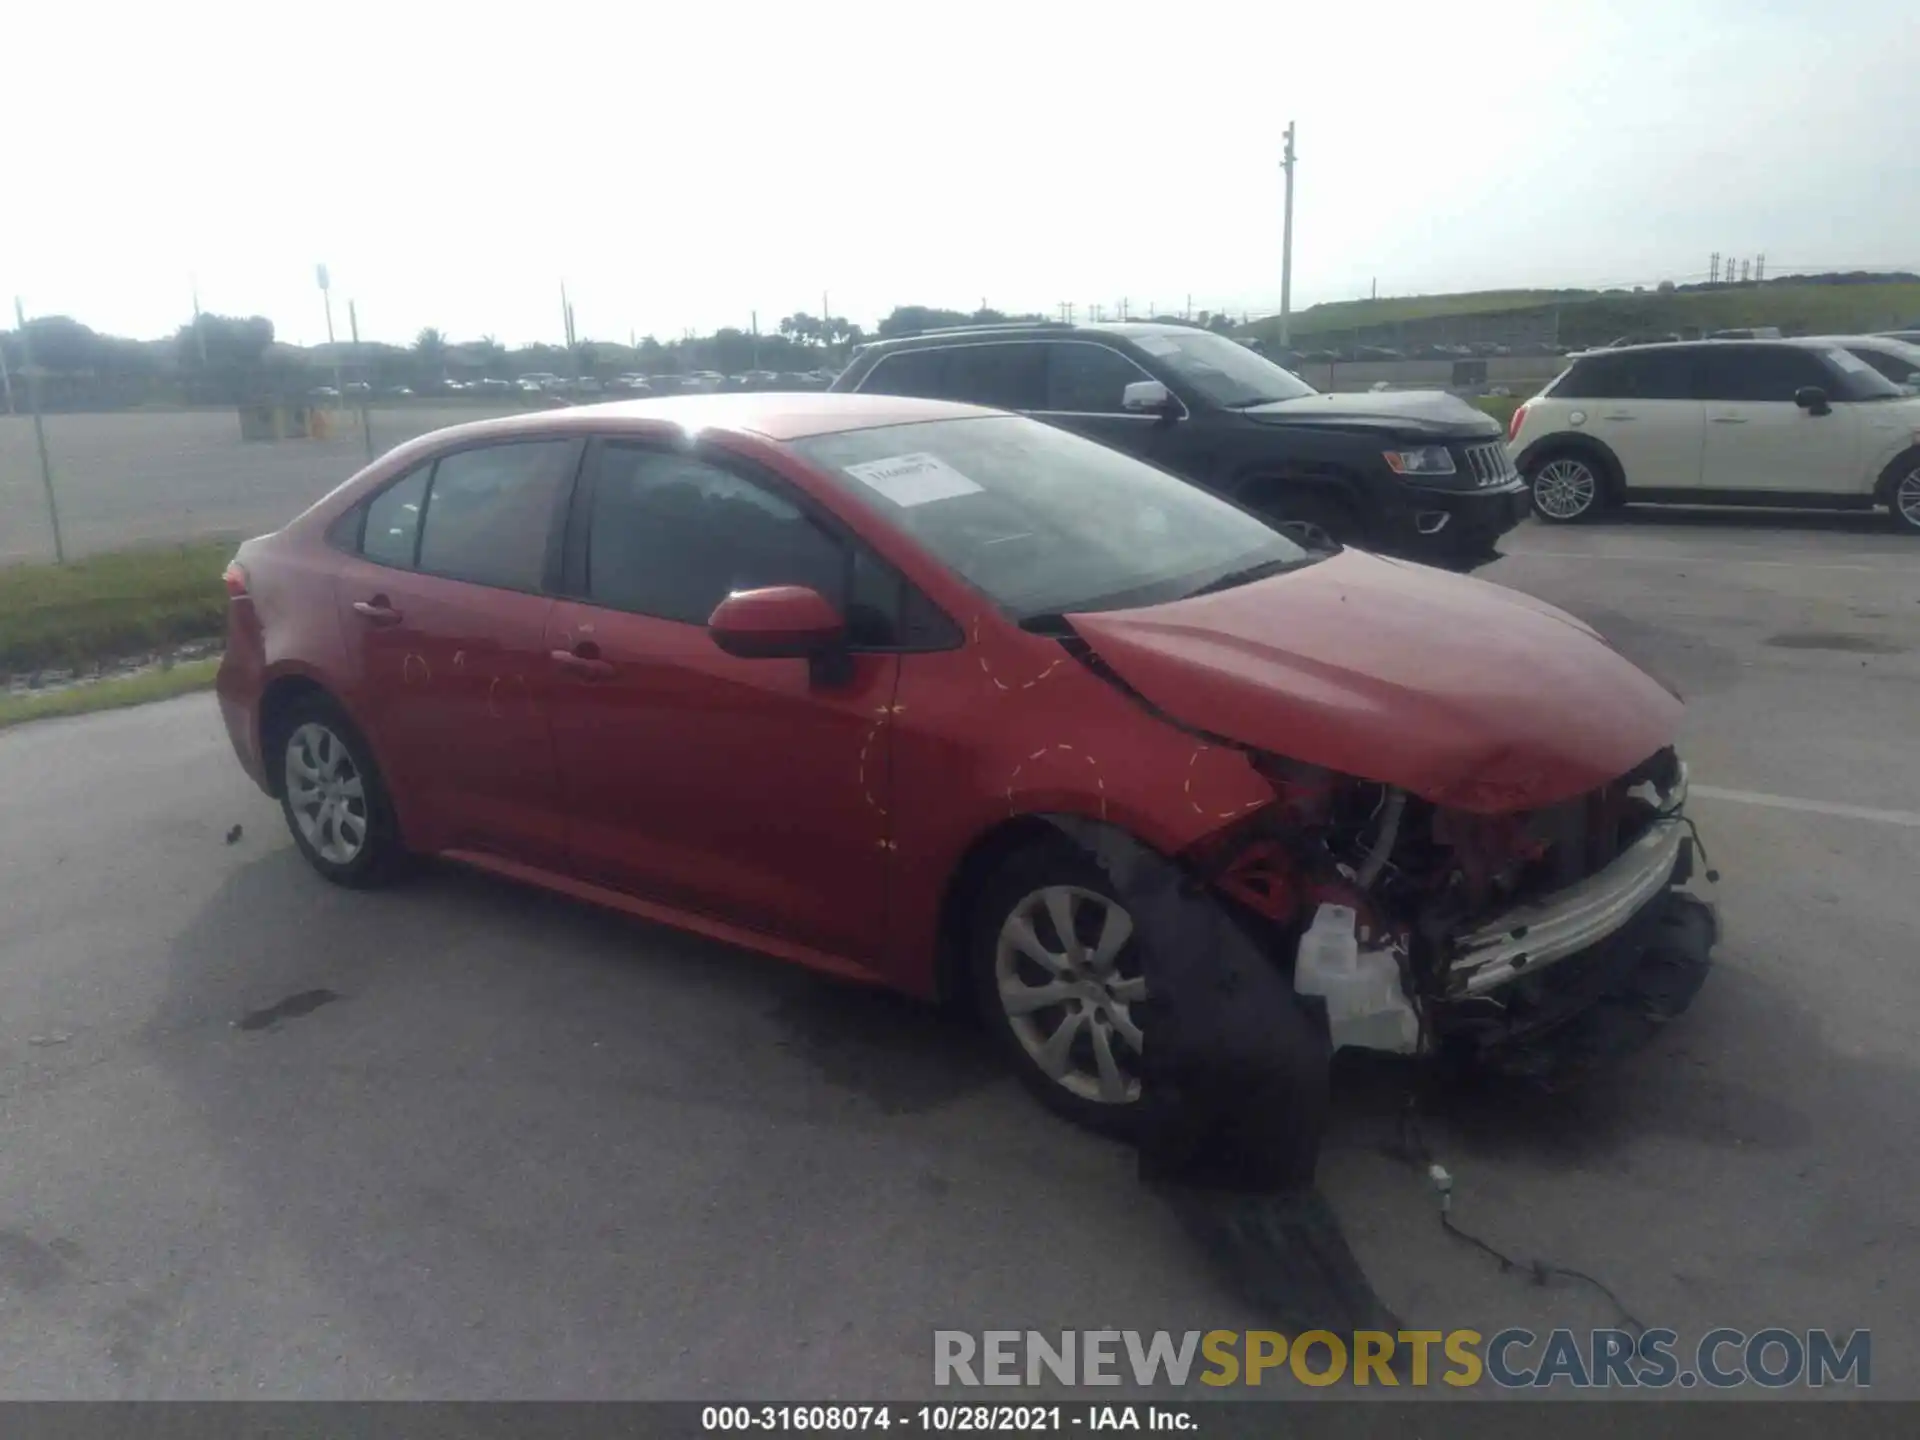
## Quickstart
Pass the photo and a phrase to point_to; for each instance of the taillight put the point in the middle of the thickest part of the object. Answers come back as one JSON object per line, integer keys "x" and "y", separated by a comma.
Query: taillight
{"x": 1519, "y": 416}
{"x": 236, "y": 581}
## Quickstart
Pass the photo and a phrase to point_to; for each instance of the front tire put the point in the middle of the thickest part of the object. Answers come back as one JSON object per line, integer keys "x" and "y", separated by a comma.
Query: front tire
{"x": 1567, "y": 489}
{"x": 1319, "y": 522}
{"x": 1057, "y": 977}
{"x": 336, "y": 805}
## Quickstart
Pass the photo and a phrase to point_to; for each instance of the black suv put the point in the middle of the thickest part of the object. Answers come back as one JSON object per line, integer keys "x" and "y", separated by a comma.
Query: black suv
{"x": 1423, "y": 475}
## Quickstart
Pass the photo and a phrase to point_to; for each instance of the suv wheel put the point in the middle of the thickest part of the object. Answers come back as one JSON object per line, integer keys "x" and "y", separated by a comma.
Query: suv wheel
{"x": 1057, "y": 976}
{"x": 1315, "y": 521}
{"x": 1566, "y": 489}
{"x": 333, "y": 798}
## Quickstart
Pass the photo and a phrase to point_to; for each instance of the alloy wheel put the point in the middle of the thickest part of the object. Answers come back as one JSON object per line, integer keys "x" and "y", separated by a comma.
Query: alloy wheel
{"x": 1308, "y": 533}
{"x": 1565, "y": 489}
{"x": 1067, "y": 981}
{"x": 1906, "y": 500}
{"x": 326, "y": 793}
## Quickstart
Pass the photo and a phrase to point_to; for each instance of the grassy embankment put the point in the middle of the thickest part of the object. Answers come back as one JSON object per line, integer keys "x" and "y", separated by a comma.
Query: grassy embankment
{"x": 64, "y": 617}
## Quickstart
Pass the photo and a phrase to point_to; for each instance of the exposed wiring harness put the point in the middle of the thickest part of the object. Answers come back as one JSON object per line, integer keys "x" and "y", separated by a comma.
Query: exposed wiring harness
{"x": 1413, "y": 1149}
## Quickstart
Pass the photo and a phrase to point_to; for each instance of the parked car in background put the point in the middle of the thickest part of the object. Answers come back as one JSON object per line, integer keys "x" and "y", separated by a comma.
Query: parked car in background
{"x": 1415, "y": 473}
{"x": 492, "y": 385}
{"x": 1796, "y": 423}
{"x": 1898, "y": 360}
{"x": 951, "y": 652}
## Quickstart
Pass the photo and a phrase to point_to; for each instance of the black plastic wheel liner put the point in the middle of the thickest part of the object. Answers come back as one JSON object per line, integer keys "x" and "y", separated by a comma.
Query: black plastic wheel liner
{"x": 1234, "y": 1087}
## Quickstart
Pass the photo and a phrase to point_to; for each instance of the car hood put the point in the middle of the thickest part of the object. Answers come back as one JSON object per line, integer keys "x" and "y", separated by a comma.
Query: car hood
{"x": 1467, "y": 694}
{"x": 1423, "y": 413}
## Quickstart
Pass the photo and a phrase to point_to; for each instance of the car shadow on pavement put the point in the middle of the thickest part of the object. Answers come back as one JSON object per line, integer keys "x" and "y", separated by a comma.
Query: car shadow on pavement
{"x": 1731, "y": 517}
{"x": 517, "y": 1095}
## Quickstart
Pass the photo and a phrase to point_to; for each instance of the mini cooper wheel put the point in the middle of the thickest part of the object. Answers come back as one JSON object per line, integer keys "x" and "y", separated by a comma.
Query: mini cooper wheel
{"x": 1567, "y": 489}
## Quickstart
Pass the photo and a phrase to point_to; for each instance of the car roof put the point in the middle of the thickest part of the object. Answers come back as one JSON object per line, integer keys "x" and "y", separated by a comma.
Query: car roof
{"x": 1869, "y": 341}
{"x": 1027, "y": 329}
{"x": 771, "y": 414}
{"x": 1800, "y": 341}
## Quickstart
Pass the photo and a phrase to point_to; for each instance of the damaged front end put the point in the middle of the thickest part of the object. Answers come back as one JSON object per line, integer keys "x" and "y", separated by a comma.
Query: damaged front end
{"x": 1535, "y": 943}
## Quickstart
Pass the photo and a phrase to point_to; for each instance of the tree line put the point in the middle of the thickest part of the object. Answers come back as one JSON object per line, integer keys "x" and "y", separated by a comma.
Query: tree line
{"x": 225, "y": 359}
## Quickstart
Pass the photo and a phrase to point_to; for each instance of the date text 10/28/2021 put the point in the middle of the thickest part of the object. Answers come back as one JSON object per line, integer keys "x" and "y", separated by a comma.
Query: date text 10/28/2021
{"x": 944, "y": 1419}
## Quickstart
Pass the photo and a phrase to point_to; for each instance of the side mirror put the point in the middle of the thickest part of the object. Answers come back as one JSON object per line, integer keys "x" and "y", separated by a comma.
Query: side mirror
{"x": 1812, "y": 399}
{"x": 1148, "y": 397}
{"x": 781, "y": 622}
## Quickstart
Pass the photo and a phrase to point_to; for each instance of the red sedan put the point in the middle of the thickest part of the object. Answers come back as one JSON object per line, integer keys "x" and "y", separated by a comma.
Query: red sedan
{"x": 822, "y": 675}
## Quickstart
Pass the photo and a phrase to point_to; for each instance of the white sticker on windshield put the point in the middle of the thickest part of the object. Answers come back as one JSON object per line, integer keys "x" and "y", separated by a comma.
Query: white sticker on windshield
{"x": 909, "y": 480}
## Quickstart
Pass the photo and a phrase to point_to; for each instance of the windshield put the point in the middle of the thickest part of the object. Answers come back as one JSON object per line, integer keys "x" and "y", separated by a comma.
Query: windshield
{"x": 1044, "y": 522}
{"x": 1899, "y": 363}
{"x": 1223, "y": 370}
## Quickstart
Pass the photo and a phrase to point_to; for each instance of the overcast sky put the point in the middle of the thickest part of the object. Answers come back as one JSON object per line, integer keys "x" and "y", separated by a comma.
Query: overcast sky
{"x": 682, "y": 163}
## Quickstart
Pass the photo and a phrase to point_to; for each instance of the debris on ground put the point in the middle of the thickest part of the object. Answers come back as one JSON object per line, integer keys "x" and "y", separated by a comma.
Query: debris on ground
{"x": 1235, "y": 1082}
{"x": 233, "y": 836}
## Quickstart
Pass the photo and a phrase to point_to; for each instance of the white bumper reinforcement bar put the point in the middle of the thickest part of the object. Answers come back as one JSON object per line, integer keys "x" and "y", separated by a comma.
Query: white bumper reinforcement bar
{"x": 1532, "y": 936}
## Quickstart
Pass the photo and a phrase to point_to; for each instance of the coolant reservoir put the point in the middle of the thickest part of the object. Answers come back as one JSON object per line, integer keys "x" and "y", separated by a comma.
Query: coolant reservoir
{"x": 1366, "y": 1008}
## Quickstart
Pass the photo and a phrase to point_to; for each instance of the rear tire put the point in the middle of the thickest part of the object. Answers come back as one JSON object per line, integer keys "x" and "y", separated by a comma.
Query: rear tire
{"x": 1055, "y": 1003}
{"x": 335, "y": 803}
{"x": 1567, "y": 487}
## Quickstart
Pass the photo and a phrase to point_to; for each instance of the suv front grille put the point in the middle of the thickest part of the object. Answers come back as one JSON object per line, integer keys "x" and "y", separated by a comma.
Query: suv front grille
{"x": 1490, "y": 464}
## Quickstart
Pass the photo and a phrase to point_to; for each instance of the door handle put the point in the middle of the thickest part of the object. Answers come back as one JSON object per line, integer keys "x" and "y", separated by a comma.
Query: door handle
{"x": 1616, "y": 417}
{"x": 587, "y": 667}
{"x": 377, "y": 610}
{"x": 1729, "y": 419}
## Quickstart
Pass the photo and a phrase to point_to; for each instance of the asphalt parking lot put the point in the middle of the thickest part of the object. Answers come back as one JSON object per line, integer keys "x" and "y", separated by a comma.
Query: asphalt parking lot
{"x": 504, "y": 1146}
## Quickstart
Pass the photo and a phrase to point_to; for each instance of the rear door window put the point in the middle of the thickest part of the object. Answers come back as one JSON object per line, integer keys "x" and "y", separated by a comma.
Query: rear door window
{"x": 919, "y": 373}
{"x": 1631, "y": 375}
{"x": 391, "y": 535}
{"x": 1006, "y": 377}
{"x": 489, "y": 512}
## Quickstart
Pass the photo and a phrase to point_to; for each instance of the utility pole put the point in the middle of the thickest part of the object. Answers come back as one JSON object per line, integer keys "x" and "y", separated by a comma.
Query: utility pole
{"x": 326, "y": 295}
{"x": 1713, "y": 269}
{"x": 1374, "y": 294}
{"x": 366, "y": 396}
{"x": 39, "y": 430}
{"x": 1745, "y": 270}
{"x": 199, "y": 331}
{"x": 1759, "y": 269}
{"x": 1189, "y": 310}
{"x": 755, "y": 321}
{"x": 1286, "y": 244}
{"x": 6, "y": 381}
